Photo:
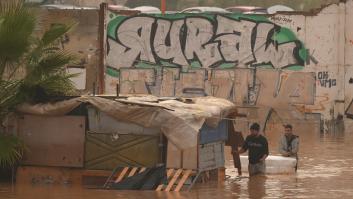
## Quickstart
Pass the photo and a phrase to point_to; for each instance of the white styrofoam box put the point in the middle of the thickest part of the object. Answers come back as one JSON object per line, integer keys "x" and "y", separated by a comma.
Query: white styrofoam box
{"x": 274, "y": 164}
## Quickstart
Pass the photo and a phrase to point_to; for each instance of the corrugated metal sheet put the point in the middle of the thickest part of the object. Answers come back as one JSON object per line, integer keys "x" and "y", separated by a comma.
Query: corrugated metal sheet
{"x": 53, "y": 141}
{"x": 107, "y": 151}
{"x": 111, "y": 143}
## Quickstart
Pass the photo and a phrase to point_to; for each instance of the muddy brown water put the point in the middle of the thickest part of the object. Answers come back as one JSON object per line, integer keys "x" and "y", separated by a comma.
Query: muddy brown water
{"x": 325, "y": 171}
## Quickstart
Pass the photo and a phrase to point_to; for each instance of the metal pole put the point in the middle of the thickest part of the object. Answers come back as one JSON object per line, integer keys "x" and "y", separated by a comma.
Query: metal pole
{"x": 102, "y": 46}
{"x": 117, "y": 90}
{"x": 163, "y": 6}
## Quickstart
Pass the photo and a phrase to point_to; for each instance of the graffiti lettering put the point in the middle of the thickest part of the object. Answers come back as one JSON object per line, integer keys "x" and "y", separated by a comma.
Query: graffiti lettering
{"x": 169, "y": 33}
{"x": 208, "y": 42}
{"x": 281, "y": 19}
{"x": 322, "y": 75}
{"x": 324, "y": 80}
{"x": 267, "y": 52}
{"x": 230, "y": 34}
{"x": 133, "y": 42}
{"x": 198, "y": 42}
{"x": 310, "y": 57}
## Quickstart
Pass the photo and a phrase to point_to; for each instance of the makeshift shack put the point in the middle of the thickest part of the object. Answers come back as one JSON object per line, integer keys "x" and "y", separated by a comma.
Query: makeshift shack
{"x": 104, "y": 133}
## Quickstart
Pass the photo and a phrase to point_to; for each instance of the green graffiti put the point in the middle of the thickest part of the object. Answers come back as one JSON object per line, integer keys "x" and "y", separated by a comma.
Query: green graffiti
{"x": 227, "y": 65}
{"x": 286, "y": 35}
{"x": 113, "y": 24}
{"x": 112, "y": 72}
{"x": 281, "y": 35}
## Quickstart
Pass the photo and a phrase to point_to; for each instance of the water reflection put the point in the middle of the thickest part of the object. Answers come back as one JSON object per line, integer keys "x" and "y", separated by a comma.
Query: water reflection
{"x": 325, "y": 171}
{"x": 256, "y": 186}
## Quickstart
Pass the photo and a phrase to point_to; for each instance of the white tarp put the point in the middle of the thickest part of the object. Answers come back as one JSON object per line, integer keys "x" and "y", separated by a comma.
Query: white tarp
{"x": 180, "y": 122}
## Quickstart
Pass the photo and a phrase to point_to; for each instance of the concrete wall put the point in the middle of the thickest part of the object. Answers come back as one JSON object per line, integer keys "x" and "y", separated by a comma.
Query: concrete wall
{"x": 81, "y": 41}
{"x": 324, "y": 38}
{"x": 295, "y": 64}
{"x": 182, "y": 4}
{"x": 303, "y": 61}
{"x": 84, "y": 3}
{"x": 250, "y": 60}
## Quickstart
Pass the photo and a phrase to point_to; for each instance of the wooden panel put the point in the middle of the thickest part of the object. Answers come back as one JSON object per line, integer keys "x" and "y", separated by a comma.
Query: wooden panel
{"x": 107, "y": 151}
{"x": 136, "y": 81}
{"x": 211, "y": 156}
{"x": 169, "y": 76}
{"x": 221, "y": 87}
{"x": 53, "y": 141}
{"x": 186, "y": 159}
{"x": 222, "y": 83}
{"x": 299, "y": 88}
{"x": 280, "y": 88}
{"x": 242, "y": 80}
{"x": 190, "y": 158}
{"x": 191, "y": 83}
{"x": 173, "y": 156}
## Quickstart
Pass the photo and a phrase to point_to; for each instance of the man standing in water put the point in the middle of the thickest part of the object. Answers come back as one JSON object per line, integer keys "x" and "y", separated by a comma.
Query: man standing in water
{"x": 289, "y": 143}
{"x": 258, "y": 150}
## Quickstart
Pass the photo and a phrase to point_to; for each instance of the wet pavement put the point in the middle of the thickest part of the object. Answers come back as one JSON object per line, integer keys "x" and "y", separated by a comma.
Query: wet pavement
{"x": 325, "y": 171}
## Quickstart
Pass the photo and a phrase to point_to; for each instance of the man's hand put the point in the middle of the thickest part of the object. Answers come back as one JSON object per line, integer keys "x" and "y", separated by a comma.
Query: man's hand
{"x": 263, "y": 158}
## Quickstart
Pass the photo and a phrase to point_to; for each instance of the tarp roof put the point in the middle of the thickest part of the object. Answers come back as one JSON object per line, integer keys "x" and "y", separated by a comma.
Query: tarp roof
{"x": 179, "y": 120}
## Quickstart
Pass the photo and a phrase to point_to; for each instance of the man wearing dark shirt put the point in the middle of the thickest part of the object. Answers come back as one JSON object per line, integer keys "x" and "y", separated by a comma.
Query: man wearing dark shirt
{"x": 258, "y": 150}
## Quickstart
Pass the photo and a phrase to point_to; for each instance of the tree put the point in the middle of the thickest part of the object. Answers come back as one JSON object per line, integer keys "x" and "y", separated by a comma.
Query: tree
{"x": 43, "y": 63}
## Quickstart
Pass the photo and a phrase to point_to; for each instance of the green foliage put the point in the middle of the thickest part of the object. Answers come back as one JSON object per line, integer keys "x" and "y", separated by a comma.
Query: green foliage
{"x": 41, "y": 58}
{"x": 16, "y": 27}
{"x": 8, "y": 92}
{"x": 43, "y": 63}
{"x": 11, "y": 150}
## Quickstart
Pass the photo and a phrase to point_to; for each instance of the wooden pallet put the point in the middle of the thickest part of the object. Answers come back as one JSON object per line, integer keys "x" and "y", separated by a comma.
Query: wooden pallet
{"x": 176, "y": 179}
{"x": 119, "y": 174}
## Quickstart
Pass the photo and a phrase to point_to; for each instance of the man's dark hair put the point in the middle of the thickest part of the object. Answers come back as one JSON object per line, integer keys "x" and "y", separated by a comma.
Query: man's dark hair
{"x": 288, "y": 126}
{"x": 255, "y": 126}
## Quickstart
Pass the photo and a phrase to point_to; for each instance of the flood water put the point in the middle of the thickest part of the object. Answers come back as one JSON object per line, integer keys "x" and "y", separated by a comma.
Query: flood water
{"x": 325, "y": 171}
